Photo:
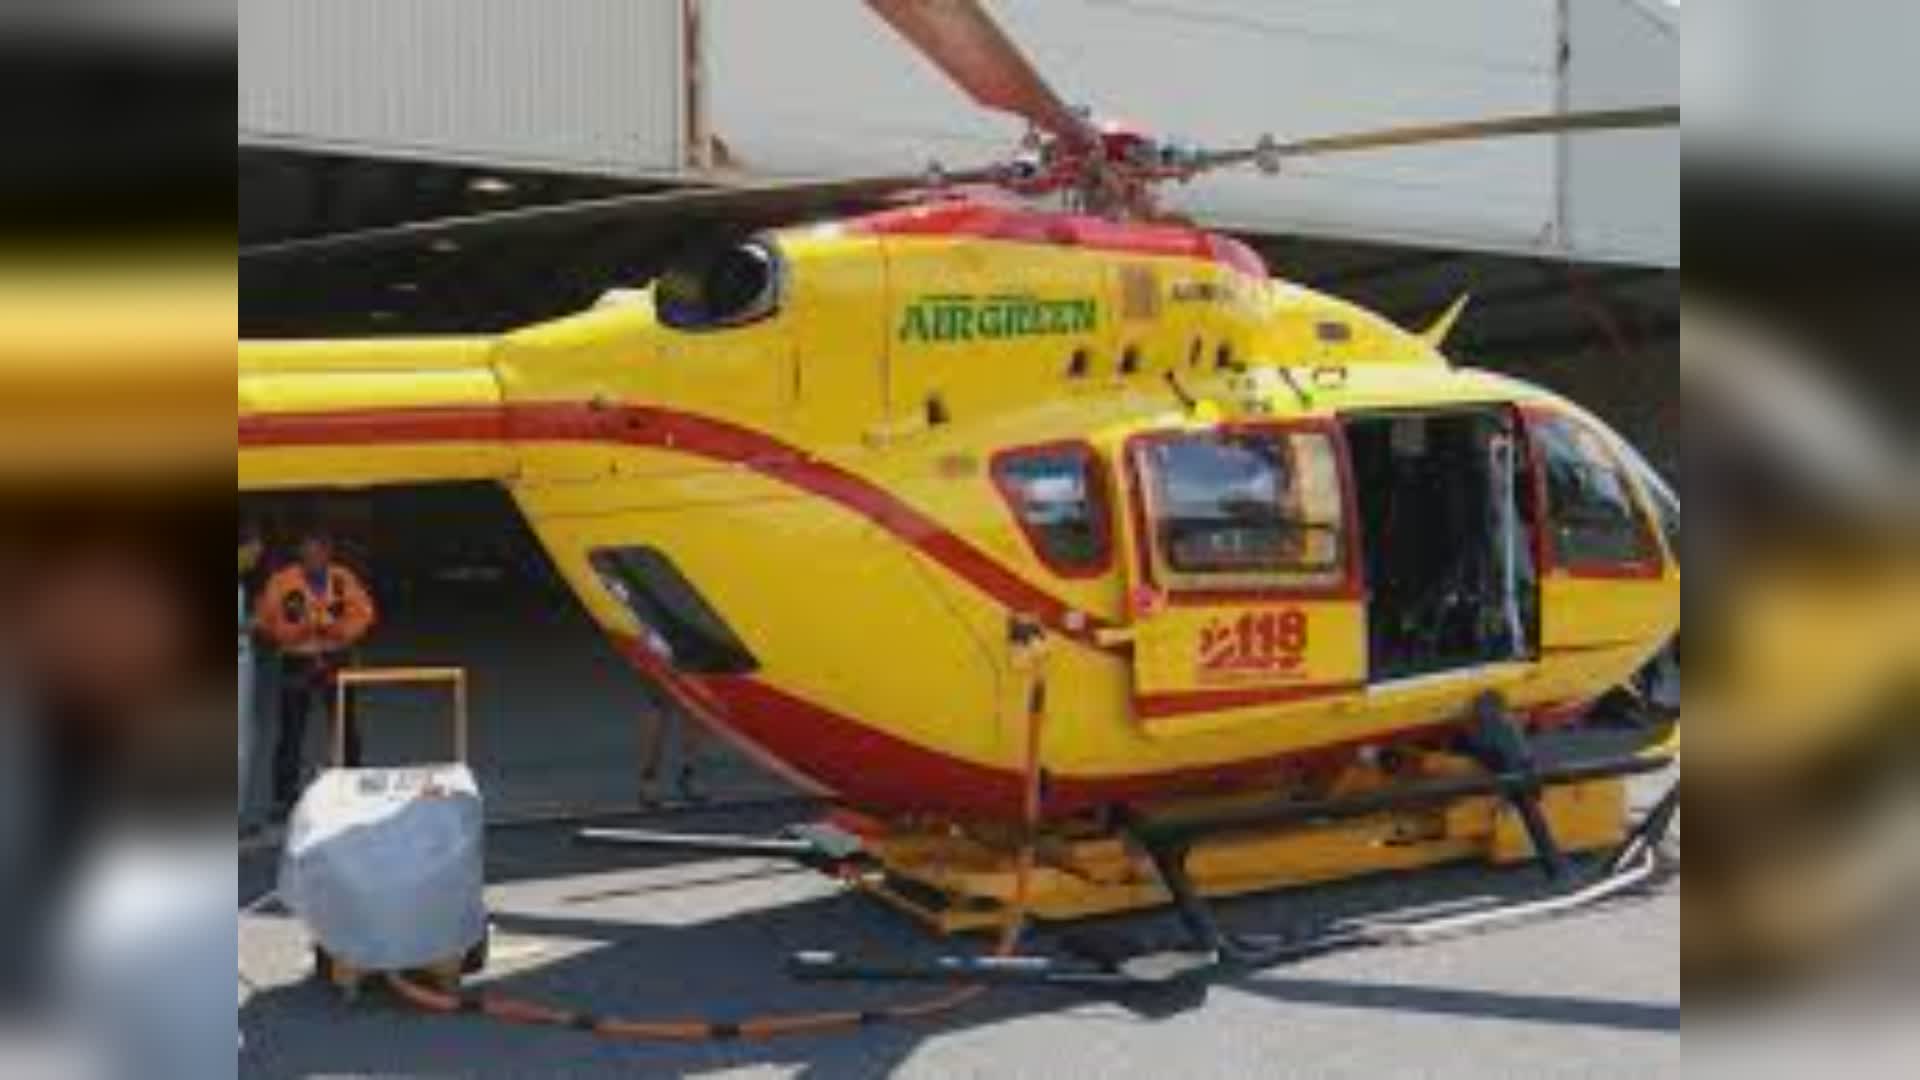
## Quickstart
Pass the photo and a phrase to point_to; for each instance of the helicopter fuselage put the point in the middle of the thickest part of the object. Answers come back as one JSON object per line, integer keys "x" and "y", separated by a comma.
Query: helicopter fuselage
{"x": 824, "y": 493}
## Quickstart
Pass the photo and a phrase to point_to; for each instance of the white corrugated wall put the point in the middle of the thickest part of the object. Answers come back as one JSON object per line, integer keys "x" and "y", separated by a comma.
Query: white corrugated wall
{"x": 821, "y": 87}
{"x": 1623, "y": 192}
{"x": 575, "y": 85}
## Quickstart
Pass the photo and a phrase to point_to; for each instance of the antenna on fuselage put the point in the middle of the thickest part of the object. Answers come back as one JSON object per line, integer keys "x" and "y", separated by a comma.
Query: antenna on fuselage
{"x": 1188, "y": 401}
{"x": 1436, "y": 335}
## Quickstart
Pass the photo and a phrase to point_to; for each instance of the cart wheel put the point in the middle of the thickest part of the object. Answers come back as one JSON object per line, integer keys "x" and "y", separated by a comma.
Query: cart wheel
{"x": 475, "y": 960}
{"x": 328, "y": 971}
{"x": 443, "y": 976}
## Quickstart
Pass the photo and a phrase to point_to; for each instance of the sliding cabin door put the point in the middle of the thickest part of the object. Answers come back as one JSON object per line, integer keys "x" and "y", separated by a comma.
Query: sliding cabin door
{"x": 1245, "y": 579}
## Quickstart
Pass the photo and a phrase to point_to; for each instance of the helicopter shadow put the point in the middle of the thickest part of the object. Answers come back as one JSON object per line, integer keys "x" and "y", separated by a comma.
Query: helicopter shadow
{"x": 653, "y": 936}
{"x": 666, "y": 937}
{"x": 724, "y": 969}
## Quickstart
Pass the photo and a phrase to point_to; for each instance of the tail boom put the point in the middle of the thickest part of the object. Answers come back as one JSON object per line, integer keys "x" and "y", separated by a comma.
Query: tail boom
{"x": 355, "y": 414}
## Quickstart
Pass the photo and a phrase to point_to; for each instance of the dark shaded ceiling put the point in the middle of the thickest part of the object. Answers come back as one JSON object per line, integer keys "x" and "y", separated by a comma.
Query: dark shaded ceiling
{"x": 1521, "y": 305}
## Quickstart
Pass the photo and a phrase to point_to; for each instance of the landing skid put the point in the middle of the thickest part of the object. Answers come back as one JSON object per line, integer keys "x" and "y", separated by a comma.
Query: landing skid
{"x": 1508, "y": 810}
{"x": 1208, "y": 952}
{"x": 1490, "y": 802}
{"x": 956, "y": 884}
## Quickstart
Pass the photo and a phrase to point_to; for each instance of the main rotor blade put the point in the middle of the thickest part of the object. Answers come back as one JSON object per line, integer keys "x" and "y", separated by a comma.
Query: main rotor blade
{"x": 752, "y": 200}
{"x": 965, "y": 42}
{"x": 1428, "y": 134}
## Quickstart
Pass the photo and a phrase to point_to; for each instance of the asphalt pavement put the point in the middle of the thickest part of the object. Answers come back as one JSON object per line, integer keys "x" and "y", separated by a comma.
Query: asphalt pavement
{"x": 1593, "y": 993}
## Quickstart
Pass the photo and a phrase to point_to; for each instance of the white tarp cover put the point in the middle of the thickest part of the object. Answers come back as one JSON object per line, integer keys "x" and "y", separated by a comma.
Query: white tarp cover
{"x": 386, "y": 867}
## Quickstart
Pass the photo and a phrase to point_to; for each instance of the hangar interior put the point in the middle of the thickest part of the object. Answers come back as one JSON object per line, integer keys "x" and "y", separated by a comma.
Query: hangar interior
{"x": 558, "y": 721}
{"x": 458, "y": 578}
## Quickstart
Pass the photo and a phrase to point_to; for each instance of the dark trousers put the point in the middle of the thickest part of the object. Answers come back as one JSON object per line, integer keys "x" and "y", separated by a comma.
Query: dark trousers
{"x": 306, "y": 681}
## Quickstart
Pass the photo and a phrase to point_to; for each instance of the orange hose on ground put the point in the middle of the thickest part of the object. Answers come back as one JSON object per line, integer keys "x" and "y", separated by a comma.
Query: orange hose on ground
{"x": 517, "y": 1011}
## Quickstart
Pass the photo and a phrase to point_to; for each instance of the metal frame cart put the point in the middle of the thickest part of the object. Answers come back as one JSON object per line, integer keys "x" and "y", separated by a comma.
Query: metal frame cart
{"x": 445, "y": 973}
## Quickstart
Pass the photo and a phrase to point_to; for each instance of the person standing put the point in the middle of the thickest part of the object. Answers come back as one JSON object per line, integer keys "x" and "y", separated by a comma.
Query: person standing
{"x": 243, "y": 735}
{"x": 671, "y": 730}
{"x": 314, "y": 611}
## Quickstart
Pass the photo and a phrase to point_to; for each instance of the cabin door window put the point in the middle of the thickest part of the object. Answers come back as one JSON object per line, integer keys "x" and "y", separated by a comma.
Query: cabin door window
{"x": 1250, "y": 509}
{"x": 1245, "y": 590}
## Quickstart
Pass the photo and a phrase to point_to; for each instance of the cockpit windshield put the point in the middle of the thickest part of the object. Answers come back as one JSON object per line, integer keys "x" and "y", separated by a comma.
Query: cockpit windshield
{"x": 719, "y": 287}
{"x": 1666, "y": 503}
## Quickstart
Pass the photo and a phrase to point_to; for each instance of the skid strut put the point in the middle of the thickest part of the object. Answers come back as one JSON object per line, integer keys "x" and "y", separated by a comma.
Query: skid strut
{"x": 818, "y": 847}
{"x": 1498, "y": 743}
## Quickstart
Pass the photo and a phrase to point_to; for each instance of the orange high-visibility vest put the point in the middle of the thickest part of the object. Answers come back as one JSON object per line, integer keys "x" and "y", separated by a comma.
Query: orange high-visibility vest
{"x": 304, "y": 622}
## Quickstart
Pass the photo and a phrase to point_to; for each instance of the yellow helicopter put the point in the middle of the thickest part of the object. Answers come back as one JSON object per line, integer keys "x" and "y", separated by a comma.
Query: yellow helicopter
{"x": 875, "y": 497}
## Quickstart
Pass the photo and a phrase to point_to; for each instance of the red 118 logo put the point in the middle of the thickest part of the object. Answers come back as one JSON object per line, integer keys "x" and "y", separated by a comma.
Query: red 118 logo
{"x": 1258, "y": 644}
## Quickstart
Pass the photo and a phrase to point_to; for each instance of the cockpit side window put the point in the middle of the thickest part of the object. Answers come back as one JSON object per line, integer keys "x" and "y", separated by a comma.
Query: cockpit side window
{"x": 1596, "y": 524}
{"x": 1056, "y": 493}
{"x": 1659, "y": 494}
{"x": 721, "y": 287}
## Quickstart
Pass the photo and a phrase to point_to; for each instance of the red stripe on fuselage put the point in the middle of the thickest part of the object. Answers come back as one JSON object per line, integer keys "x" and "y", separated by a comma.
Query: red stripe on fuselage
{"x": 1184, "y": 703}
{"x": 691, "y": 434}
{"x": 877, "y": 771}
{"x": 863, "y": 764}
{"x": 700, "y": 702}
{"x": 373, "y": 427}
{"x": 719, "y": 440}
{"x": 874, "y": 770}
